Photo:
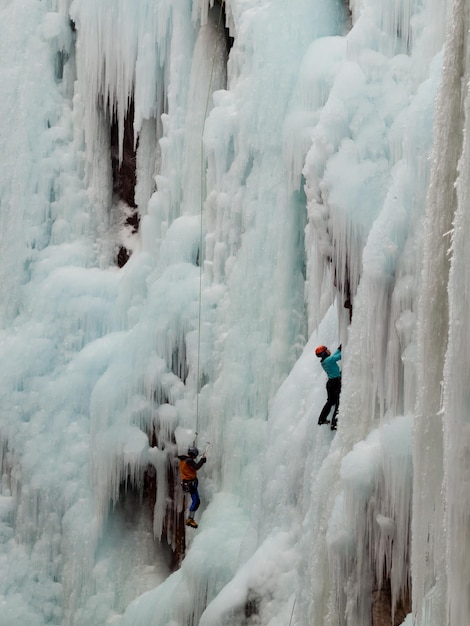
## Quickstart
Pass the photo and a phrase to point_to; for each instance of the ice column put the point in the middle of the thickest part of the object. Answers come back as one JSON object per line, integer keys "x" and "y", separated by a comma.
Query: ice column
{"x": 428, "y": 538}
{"x": 456, "y": 409}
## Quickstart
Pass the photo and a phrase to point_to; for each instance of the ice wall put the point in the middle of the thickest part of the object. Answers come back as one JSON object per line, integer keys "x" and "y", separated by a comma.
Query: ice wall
{"x": 441, "y": 401}
{"x": 292, "y": 175}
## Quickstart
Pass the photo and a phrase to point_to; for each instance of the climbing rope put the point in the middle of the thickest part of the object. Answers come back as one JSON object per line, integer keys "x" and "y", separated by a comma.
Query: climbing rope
{"x": 292, "y": 614}
{"x": 198, "y": 379}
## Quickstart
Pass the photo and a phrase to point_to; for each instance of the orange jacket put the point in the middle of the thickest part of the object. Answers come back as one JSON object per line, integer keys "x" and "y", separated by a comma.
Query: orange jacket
{"x": 187, "y": 472}
{"x": 189, "y": 467}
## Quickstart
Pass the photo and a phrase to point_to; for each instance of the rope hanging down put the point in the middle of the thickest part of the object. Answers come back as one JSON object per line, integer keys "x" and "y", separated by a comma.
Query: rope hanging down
{"x": 198, "y": 376}
{"x": 292, "y": 614}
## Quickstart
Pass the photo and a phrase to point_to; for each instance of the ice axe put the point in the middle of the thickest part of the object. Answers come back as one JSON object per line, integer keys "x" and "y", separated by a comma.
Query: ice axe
{"x": 208, "y": 445}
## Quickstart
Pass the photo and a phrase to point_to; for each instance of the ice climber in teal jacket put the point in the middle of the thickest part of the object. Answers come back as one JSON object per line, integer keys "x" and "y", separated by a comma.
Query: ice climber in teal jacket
{"x": 329, "y": 362}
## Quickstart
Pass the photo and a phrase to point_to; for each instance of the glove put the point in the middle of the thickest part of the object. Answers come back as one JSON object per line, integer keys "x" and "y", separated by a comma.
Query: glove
{"x": 203, "y": 459}
{"x": 339, "y": 347}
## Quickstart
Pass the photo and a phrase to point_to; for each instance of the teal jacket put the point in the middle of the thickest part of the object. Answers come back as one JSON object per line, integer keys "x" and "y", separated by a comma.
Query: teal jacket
{"x": 330, "y": 365}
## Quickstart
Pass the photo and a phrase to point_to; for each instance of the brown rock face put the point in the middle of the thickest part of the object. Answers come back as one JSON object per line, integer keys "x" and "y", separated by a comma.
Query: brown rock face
{"x": 382, "y": 609}
{"x": 124, "y": 176}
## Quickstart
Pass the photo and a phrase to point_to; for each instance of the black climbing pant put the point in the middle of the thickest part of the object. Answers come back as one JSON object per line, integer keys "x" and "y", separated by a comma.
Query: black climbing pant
{"x": 333, "y": 389}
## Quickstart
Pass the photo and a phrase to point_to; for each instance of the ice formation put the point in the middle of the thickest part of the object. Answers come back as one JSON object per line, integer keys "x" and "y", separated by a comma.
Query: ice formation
{"x": 192, "y": 196}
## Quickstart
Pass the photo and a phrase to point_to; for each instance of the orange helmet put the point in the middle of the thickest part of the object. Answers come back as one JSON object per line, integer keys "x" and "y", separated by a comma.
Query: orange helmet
{"x": 321, "y": 350}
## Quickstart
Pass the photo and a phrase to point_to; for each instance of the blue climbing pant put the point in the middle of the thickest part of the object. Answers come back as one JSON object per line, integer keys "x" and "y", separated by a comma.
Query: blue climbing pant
{"x": 195, "y": 500}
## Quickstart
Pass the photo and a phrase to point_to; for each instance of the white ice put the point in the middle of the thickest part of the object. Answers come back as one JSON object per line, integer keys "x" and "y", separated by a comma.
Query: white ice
{"x": 301, "y": 178}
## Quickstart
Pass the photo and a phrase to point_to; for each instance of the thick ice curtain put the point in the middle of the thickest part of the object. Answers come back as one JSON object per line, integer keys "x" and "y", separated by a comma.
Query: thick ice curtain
{"x": 456, "y": 389}
{"x": 429, "y": 506}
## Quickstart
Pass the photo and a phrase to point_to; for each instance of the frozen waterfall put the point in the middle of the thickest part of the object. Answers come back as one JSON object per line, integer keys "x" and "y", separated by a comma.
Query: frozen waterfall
{"x": 194, "y": 194}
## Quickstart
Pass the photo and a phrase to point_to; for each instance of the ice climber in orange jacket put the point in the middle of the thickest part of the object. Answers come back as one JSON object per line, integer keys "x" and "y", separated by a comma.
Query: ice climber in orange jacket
{"x": 189, "y": 482}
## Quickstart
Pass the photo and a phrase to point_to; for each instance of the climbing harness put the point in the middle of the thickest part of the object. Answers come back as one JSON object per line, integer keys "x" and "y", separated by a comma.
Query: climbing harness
{"x": 186, "y": 485}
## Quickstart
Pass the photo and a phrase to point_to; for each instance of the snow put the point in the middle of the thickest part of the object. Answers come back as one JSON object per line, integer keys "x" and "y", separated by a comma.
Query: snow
{"x": 300, "y": 178}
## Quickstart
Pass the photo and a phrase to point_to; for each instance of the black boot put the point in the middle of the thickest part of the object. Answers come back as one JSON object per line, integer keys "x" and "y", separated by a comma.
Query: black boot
{"x": 323, "y": 419}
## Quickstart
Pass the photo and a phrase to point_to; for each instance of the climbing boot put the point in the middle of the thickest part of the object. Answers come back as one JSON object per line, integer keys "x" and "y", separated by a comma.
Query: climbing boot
{"x": 191, "y": 522}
